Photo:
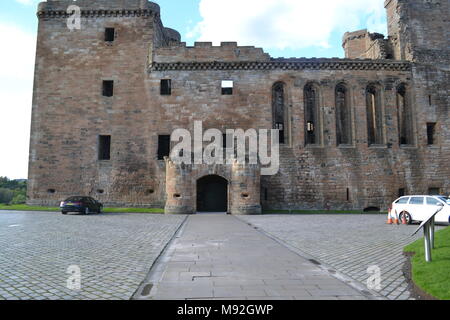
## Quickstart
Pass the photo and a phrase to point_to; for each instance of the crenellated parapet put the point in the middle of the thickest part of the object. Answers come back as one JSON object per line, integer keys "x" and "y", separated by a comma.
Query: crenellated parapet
{"x": 362, "y": 44}
{"x": 99, "y": 8}
{"x": 205, "y": 51}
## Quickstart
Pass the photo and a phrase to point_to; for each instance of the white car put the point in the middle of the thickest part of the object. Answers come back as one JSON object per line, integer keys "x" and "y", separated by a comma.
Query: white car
{"x": 420, "y": 208}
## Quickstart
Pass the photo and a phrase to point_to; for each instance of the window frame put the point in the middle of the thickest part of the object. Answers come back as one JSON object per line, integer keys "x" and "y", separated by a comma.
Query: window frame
{"x": 102, "y": 151}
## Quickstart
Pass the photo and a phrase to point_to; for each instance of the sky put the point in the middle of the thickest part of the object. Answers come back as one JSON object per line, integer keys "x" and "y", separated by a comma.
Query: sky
{"x": 284, "y": 28}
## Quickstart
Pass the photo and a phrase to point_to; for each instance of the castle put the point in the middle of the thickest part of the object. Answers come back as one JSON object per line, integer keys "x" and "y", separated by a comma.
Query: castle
{"x": 355, "y": 133}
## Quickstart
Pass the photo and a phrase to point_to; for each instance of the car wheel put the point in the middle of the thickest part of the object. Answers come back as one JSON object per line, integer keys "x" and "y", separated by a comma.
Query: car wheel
{"x": 86, "y": 211}
{"x": 63, "y": 212}
{"x": 407, "y": 217}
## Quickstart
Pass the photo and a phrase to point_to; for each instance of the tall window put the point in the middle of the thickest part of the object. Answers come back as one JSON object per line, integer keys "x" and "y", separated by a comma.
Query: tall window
{"x": 104, "y": 148}
{"x": 312, "y": 114}
{"x": 109, "y": 34}
{"x": 108, "y": 88}
{"x": 374, "y": 116}
{"x": 343, "y": 116}
{"x": 431, "y": 133}
{"x": 278, "y": 107}
{"x": 404, "y": 116}
{"x": 166, "y": 87}
{"x": 163, "y": 146}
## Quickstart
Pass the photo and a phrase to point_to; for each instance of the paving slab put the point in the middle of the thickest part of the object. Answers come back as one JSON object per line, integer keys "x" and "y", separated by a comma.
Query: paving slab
{"x": 232, "y": 259}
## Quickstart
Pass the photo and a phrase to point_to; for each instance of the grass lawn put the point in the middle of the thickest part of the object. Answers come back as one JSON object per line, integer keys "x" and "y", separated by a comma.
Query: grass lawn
{"x": 434, "y": 277}
{"x": 23, "y": 207}
{"x": 320, "y": 212}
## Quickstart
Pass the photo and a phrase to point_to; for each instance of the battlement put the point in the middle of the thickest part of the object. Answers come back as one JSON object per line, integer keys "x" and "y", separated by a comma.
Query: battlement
{"x": 92, "y": 8}
{"x": 205, "y": 51}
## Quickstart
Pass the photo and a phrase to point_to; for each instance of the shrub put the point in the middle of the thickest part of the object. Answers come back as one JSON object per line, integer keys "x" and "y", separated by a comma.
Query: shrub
{"x": 19, "y": 198}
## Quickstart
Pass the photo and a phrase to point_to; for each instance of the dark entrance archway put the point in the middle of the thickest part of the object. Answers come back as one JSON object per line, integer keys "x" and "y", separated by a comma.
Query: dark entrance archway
{"x": 212, "y": 194}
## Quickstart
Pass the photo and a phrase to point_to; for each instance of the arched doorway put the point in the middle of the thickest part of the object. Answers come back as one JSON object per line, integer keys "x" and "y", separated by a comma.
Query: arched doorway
{"x": 212, "y": 194}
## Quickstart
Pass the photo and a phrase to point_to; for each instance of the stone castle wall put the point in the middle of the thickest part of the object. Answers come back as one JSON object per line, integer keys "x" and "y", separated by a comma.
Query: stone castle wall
{"x": 69, "y": 111}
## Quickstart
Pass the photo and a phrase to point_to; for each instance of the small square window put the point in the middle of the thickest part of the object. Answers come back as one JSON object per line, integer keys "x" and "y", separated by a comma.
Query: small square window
{"x": 110, "y": 34}
{"x": 166, "y": 87}
{"x": 108, "y": 88}
{"x": 227, "y": 87}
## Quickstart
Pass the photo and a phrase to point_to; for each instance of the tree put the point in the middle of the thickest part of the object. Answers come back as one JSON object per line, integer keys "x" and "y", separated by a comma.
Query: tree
{"x": 6, "y": 195}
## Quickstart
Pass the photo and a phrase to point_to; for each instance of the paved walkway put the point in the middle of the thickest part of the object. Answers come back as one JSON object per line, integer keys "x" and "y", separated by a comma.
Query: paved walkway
{"x": 348, "y": 243}
{"x": 222, "y": 257}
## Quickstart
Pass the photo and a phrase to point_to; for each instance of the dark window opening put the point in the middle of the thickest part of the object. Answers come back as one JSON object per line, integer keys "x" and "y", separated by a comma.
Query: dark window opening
{"x": 374, "y": 116}
{"x": 280, "y": 127}
{"x": 51, "y": 191}
{"x": 348, "y": 194}
{"x": 163, "y": 147}
{"x": 166, "y": 87}
{"x": 343, "y": 116}
{"x": 431, "y": 133}
{"x": 109, "y": 34}
{"x": 100, "y": 191}
{"x": 430, "y": 101}
{"x": 401, "y": 192}
{"x": 266, "y": 194}
{"x": 278, "y": 109}
{"x": 404, "y": 115}
{"x": 434, "y": 191}
{"x": 312, "y": 123}
{"x": 227, "y": 87}
{"x": 108, "y": 88}
{"x": 104, "y": 148}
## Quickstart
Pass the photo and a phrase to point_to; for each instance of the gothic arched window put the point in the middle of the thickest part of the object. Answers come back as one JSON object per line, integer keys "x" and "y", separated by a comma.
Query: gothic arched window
{"x": 343, "y": 115}
{"x": 374, "y": 115}
{"x": 278, "y": 109}
{"x": 312, "y": 114}
{"x": 404, "y": 116}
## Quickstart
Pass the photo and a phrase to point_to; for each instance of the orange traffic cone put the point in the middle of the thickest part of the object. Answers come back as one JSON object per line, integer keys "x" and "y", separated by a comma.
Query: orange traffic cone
{"x": 390, "y": 221}
{"x": 396, "y": 221}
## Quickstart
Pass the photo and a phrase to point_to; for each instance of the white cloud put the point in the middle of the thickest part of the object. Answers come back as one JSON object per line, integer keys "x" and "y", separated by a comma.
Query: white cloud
{"x": 284, "y": 24}
{"x": 16, "y": 87}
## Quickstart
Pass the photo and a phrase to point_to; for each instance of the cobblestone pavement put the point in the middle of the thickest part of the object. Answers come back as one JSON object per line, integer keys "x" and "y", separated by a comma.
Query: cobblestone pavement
{"x": 220, "y": 257}
{"x": 348, "y": 243}
{"x": 114, "y": 252}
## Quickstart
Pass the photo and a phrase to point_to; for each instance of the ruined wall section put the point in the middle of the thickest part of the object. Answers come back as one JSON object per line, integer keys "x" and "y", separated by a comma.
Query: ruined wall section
{"x": 206, "y": 52}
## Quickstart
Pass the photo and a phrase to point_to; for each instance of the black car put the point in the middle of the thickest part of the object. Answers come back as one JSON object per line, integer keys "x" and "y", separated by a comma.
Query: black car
{"x": 83, "y": 205}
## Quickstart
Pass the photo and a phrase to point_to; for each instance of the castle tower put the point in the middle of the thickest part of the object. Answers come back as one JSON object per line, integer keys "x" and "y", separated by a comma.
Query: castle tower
{"x": 92, "y": 74}
{"x": 419, "y": 29}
